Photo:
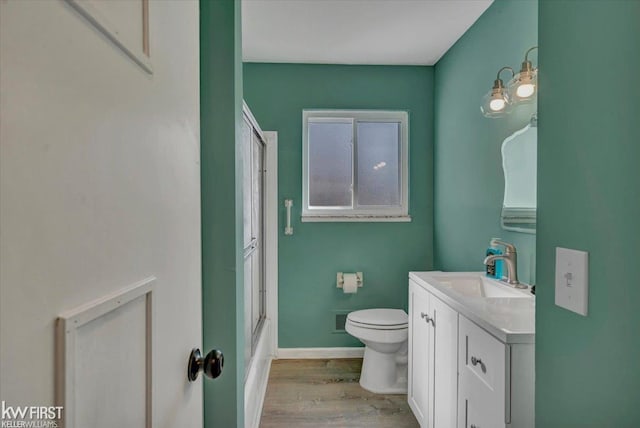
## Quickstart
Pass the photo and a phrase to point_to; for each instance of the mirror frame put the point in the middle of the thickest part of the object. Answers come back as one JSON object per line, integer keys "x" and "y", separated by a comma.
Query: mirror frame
{"x": 517, "y": 219}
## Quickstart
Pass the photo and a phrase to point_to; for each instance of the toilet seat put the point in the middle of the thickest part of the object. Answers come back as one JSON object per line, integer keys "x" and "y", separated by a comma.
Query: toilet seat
{"x": 379, "y": 319}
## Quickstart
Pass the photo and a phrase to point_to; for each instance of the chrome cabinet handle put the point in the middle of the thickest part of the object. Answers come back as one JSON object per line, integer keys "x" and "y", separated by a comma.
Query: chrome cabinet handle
{"x": 427, "y": 318}
{"x": 475, "y": 361}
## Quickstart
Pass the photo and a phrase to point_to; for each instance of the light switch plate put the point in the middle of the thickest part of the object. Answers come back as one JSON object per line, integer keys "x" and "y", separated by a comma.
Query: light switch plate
{"x": 572, "y": 280}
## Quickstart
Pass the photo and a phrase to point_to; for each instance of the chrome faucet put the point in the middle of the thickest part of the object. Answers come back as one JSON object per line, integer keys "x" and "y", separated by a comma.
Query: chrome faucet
{"x": 510, "y": 258}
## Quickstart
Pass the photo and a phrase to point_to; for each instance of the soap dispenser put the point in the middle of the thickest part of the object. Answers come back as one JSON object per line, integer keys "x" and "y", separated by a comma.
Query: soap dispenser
{"x": 494, "y": 268}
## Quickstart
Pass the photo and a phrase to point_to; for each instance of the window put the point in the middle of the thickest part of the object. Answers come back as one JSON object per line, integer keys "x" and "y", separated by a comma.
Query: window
{"x": 355, "y": 165}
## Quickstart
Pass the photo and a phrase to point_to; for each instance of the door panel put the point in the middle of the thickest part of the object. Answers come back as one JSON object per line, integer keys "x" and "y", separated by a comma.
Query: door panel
{"x": 100, "y": 189}
{"x": 483, "y": 367}
{"x": 446, "y": 370}
{"x": 419, "y": 370}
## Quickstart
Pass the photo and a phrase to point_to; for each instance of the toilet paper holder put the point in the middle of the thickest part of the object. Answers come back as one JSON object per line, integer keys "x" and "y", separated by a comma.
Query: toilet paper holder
{"x": 340, "y": 279}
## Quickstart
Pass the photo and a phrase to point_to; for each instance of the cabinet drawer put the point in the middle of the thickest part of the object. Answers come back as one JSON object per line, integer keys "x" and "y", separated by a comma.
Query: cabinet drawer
{"x": 482, "y": 355}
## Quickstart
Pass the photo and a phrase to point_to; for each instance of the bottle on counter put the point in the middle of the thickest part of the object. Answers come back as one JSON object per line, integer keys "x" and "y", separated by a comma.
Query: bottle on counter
{"x": 494, "y": 269}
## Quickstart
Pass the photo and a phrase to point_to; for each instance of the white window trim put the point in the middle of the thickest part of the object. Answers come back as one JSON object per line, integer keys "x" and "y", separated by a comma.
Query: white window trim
{"x": 369, "y": 214}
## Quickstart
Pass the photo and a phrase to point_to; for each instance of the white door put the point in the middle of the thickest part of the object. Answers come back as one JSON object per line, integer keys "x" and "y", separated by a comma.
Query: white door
{"x": 419, "y": 354}
{"x": 100, "y": 190}
{"x": 445, "y": 349}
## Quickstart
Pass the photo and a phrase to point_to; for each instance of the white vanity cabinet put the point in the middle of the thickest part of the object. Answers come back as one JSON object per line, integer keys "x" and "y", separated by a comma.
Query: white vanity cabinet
{"x": 470, "y": 366}
{"x": 432, "y": 386}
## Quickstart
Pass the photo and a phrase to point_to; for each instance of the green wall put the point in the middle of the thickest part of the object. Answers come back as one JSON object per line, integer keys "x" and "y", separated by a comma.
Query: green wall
{"x": 221, "y": 181}
{"x": 385, "y": 252}
{"x": 588, "y": 368}
{"x": 469, "y": 182}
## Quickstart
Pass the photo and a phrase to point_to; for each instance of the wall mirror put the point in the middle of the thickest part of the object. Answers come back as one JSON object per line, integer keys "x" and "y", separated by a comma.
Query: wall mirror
{"x": 519, "y": 163}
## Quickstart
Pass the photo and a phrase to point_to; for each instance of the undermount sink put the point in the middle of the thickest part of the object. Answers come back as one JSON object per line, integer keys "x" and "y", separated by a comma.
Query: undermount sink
{"x": 481, "y": 286}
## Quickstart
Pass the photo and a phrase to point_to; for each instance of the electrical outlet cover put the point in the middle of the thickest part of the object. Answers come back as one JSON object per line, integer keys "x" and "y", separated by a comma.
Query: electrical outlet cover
{"x": 572, "y": 280}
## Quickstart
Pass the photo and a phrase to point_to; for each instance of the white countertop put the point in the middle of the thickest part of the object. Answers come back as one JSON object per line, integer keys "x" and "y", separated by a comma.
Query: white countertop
{"x": 510, "y": 320}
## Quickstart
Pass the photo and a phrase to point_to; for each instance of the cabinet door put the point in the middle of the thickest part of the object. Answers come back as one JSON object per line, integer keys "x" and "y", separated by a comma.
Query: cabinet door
{"x": 445, "y": 371}
{"x": 419, "y": 357}
{"x": 478, "y": 413}
{"x": 483, "y": 365}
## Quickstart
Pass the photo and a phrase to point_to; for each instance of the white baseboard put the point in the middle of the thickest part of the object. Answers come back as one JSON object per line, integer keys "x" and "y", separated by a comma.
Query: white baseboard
{"x": 315, "y": 353}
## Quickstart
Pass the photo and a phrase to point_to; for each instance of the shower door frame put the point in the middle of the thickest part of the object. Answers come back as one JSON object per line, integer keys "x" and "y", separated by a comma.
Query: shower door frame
{"x": 266, "y": 344}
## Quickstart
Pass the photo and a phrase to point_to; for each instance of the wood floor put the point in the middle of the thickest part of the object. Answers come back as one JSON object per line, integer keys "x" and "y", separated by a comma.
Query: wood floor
{"x": 326, "y": 393}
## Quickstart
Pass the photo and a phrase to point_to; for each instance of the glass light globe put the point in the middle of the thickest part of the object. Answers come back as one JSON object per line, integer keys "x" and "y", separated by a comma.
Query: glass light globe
{"x": 497, "y": 104}
{"x": 523, "y": 86}
{"x": 525, "y": 90}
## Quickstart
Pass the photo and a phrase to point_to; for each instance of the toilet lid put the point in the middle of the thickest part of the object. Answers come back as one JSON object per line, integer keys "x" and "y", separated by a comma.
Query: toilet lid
{"x": 380, "y": 317}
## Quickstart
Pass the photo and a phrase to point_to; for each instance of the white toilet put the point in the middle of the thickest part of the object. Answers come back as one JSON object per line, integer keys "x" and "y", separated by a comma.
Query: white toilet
{"x": 384, "y": 333}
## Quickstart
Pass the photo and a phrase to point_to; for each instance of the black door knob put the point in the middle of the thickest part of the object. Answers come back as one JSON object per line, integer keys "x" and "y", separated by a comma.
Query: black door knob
{"x": 211, "y": 365}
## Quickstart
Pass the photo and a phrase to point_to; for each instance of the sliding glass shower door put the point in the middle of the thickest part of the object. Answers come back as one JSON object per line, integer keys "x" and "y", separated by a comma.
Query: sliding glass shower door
{"x": 253, "y": 213}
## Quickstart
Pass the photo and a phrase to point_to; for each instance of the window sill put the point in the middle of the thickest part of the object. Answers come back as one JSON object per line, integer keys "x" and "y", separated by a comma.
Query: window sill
{"x": 356, "y": 219}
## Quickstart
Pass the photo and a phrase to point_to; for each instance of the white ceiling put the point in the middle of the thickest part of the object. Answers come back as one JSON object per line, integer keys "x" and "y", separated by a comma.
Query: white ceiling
{"x": 355, "y": 31}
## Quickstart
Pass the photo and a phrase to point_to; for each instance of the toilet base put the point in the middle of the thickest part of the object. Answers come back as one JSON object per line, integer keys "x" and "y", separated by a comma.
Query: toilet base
{"x": 384, "y": 373}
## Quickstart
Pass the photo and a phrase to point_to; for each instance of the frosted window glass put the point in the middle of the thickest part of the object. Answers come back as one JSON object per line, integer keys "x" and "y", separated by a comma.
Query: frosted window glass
{"x": 330, "y": 164}
{"x": 378, "y": 163}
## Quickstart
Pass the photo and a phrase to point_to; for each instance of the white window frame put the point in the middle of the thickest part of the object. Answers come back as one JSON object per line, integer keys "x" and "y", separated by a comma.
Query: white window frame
{"x": 399, "y": 213}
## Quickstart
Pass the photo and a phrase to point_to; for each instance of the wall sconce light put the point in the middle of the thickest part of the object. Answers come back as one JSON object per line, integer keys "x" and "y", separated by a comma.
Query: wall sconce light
{"x": 497, "y": 102}
{"x": 521, "y": 89}
{"x": 524, "y": 85}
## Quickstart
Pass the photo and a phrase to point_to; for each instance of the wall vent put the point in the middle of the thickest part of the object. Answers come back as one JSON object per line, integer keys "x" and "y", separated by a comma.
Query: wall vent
{"x": 341, "y": 320}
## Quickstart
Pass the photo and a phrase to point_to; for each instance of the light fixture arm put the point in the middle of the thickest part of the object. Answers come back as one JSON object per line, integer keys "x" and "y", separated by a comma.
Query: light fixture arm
{"x": 498, "y": 82}
{"x": 526, "y": 65}
{"x": 526, "y": 55}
